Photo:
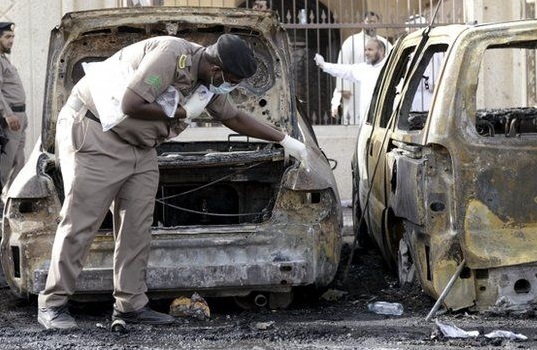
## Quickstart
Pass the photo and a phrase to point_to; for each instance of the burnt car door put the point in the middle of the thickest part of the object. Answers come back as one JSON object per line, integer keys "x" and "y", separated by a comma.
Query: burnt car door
{"x": 373, "y": 143}
{"x": 417, "y": 173}
{"x": 459, "y": 173}
{"x": 491, "y": 136}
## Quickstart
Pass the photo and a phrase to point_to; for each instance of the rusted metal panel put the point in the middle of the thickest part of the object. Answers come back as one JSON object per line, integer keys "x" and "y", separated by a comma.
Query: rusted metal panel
{"x": 460, "y": 179}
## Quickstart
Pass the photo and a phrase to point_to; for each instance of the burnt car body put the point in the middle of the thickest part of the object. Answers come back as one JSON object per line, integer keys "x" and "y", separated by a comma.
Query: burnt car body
{"x": 234, "y": 216}
{"x": 451, "y": 184}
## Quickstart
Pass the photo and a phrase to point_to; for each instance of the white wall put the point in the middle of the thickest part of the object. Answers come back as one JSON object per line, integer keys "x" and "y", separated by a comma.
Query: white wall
{"x": 34, "y": 19}
{"x": 338, "y": 143}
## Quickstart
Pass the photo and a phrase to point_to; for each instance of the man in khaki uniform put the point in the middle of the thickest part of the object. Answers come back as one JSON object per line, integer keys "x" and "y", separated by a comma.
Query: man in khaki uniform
{"x": 12, "y": 109}
{"x": 118, "y": 168}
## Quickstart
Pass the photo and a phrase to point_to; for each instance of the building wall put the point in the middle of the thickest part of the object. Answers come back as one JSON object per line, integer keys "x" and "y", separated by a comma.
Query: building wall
{"x": 495, "y": 80}
{"x": 35, "y": 19}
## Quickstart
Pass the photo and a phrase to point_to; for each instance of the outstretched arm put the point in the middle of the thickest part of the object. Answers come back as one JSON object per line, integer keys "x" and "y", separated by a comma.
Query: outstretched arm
{"x": 350, "y": 72}
{"x": 248, "y": 126}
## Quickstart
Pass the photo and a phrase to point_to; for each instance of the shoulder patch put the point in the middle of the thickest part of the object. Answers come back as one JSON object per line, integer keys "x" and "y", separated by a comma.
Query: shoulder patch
{"x": 154, "y": 80}
{"x": 181, "y": 61}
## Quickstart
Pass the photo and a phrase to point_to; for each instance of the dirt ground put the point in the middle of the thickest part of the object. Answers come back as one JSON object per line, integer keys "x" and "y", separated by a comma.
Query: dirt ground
{"x": 309, "y": 323}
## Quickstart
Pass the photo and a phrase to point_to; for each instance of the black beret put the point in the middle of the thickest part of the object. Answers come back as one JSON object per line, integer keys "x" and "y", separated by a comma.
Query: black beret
{"x": 7, "y": 26}
{"x": 236, "y": 56}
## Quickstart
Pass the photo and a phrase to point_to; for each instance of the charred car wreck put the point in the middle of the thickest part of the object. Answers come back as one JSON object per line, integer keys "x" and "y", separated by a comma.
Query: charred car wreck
{"x": 234, "y": 216}
{"x": 449, "y": 182}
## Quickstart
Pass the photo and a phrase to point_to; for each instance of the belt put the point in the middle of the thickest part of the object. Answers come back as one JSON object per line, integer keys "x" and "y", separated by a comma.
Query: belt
{"x": 92, "y": 116}
{"x": 19, "y": 108}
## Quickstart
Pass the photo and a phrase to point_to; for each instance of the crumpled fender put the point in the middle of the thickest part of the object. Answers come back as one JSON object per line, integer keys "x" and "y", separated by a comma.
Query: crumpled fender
{"x": 313, "y": 173}
{"x": 31, "y": 181}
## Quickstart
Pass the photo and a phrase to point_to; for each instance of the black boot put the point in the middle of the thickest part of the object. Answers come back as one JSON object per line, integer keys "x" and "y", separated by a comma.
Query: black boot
{"x": 144, "y": 315}
{"x": 56, "y": 318}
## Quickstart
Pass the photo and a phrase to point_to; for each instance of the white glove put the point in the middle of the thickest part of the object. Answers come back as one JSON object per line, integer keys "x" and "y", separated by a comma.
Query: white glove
{"x": 334, "y": 111}
{"x": 294, "y": 147}
{"x": 319, "y": 60}
{"x": 197, "y": 101}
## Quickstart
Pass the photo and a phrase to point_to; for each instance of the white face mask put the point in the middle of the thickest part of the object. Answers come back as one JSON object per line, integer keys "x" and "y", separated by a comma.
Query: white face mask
{"x": 224, "y": 88}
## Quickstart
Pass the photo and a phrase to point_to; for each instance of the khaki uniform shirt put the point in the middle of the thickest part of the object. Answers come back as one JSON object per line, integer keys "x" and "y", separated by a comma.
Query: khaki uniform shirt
{"x": 11, "y": 89}
{"x": 158, "y": 63}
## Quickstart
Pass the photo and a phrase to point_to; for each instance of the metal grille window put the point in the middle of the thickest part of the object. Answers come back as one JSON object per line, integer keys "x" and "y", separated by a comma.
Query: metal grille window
{"x": 321, "y": 26}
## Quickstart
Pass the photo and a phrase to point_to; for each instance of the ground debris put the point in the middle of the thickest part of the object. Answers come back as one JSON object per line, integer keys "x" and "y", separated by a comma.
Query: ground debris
{"x": 309, "y": 324}
{"x": 451, "y": 331}
{"x": 386, "y": 308}
{"x": 194, "y": 306}
{"x": 506, "y": 335}
{"x": 504, "y": 306}
{"x": 333, "y": 295}
{"x": 263, "y": 325}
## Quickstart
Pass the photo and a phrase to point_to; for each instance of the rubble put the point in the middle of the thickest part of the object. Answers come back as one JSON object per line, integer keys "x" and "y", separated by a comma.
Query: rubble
{"x": 194, "y": 306}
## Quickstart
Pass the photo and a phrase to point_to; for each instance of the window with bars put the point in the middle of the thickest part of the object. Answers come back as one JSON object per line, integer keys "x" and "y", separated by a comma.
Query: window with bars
{"x": 322, "y": 26}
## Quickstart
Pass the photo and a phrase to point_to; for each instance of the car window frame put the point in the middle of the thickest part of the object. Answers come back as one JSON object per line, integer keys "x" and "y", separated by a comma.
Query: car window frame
{"x": 412, "y": 82}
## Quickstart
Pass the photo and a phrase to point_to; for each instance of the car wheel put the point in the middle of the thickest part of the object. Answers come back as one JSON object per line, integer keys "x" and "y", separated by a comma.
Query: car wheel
{"x": 392, "y": 233}
{"x": 406, "y": 270}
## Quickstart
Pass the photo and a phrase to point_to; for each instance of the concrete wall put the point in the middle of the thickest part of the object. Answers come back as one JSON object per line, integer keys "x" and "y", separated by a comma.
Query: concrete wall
{"x": 34, "y": 19}
{"x": 492, "y": 89}
{"x": 338, "y": 143}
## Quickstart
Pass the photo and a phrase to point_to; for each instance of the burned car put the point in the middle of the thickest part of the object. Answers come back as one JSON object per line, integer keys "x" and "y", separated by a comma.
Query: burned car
{"x": 446, "y": 185}
{"x": 234, "y": 216}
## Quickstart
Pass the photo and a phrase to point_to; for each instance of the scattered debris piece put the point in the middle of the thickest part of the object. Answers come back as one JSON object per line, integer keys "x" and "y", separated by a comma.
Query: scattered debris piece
{"x": 264, "y": 325}
{"x": 119, "y": 326}
{"x": 451, "y": 331}
{"x": 441, "y": 312}
{"x": 386, "y": 308}
{"x": 333, "y": 295}
{"x": 100, "y": 325}
{"x": 506, "y": 335}
{"x": 504, "y": 306}
{"x": 194, "y": 306}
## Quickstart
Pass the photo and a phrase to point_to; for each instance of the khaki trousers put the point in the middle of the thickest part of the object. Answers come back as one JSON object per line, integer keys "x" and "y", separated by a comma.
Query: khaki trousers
{"x": 12, "y": 161}
{"x": 101, "y": 171}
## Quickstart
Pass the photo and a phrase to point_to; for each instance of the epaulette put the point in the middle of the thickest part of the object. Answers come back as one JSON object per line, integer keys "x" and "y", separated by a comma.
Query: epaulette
{"x": 184, "y": 61}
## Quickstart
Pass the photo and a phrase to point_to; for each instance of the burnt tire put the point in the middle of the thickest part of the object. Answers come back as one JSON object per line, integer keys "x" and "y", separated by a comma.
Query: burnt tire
{"x": 393, "y": 233}
{"x": 406, "y": 270}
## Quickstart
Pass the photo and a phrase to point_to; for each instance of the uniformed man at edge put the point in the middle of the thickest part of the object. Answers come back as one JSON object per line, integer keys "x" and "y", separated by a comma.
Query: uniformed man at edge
{"x": 12, "y": 109}
{"x": 117, "y": 169}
